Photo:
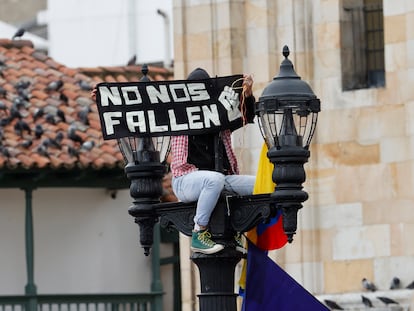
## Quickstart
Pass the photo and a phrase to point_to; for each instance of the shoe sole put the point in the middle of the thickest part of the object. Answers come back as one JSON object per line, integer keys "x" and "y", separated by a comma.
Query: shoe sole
{"x": 208, "y": 251}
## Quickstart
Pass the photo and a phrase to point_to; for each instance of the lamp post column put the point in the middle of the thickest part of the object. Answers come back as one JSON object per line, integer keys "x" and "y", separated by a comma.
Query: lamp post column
{"x": 217, "y": 270}
{"x": 217, "y": 280}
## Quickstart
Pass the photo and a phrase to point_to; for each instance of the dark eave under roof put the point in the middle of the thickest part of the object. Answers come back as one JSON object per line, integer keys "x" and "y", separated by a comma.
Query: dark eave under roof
{"x": 55, "y": 178}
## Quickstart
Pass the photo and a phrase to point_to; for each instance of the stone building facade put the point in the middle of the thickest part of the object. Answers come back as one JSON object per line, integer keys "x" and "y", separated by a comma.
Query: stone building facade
{"x": 23, "y": 13}
{"x": 359, "y": 219}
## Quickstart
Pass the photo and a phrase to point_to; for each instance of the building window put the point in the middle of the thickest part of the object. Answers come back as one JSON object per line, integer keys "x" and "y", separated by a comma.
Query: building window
{"x": 362, "y": 41}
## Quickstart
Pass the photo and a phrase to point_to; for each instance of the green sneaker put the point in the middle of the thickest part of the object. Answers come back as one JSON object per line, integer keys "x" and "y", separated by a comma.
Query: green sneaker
{"x": 238, "y": 239}
{"x": 201, "y": 242}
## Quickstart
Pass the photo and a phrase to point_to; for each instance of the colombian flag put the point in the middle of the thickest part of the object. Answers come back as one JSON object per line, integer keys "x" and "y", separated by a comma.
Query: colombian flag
{"x": 270, "y": 288}
{"x": 263, "y": 284}
{"x": 270, "y": 235}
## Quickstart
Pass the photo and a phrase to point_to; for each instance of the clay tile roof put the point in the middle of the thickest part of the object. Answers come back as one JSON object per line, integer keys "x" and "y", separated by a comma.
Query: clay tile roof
{"x": 42, "y": 104}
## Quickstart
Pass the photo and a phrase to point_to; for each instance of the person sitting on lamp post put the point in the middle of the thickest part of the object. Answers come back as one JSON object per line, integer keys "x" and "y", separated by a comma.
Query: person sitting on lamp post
{"x": 197, "y": 176}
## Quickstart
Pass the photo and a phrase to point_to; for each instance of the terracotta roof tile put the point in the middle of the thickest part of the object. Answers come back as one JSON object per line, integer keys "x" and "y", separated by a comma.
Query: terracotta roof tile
{"x": 26, "y": 75}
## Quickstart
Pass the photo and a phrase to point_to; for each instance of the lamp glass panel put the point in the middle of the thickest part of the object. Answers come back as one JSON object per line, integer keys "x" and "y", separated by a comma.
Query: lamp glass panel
{"x": 130, "y": 145}
{"x": 163, "y": 146}
{"x": 266, "y": 125}
{"x": 271, "y": 124}
{"x": 126, "y": 145}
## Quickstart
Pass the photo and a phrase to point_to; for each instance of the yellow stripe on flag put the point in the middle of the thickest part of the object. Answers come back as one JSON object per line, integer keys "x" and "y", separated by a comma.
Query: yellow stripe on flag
{"x": 263, "y": 184}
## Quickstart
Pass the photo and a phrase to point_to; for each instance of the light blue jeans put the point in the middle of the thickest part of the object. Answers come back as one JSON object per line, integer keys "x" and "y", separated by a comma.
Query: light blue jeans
{"x": 205, "y": 187}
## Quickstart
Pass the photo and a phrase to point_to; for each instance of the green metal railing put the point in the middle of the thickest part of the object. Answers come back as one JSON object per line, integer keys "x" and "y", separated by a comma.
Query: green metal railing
{"x": 87, "y": 302}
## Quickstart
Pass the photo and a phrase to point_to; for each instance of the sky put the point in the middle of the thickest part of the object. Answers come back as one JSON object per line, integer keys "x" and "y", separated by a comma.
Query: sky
{"x": 89, "y": 33}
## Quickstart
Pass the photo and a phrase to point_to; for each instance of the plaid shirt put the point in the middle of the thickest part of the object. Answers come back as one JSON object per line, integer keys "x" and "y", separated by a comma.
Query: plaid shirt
{"x": 179, "y": 151}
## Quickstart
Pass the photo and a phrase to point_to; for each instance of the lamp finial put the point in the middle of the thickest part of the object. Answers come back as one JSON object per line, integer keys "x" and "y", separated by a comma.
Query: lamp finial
{"x": 286, "y": 51}
{"x": 144, "y": 69}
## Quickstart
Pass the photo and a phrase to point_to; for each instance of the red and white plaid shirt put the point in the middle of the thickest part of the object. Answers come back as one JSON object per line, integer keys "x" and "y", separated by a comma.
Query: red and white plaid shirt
{"x": 179, "y": 151}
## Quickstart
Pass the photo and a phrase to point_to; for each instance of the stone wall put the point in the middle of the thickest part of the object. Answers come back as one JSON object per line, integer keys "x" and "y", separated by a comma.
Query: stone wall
{"x": 359, "y": 219}
{"x": 17, "y": 12}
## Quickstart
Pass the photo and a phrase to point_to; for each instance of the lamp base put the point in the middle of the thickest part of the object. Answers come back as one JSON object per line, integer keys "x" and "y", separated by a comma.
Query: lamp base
{"x": 217, "y": 279}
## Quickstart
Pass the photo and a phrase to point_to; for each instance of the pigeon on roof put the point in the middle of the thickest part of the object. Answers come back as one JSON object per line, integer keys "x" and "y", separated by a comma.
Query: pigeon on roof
{"x": 333, "y": 305}
{"x": 395, "y": 283}
{"x": 19, "y": 33}
{"x": 368, "y": 285}
{"x": 48, "y": 119}
{"x": 387, "y": 300}
{"x": 366, "y": 301}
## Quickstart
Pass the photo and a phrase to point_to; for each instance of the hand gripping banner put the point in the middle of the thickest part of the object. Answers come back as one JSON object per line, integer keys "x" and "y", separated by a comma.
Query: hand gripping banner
{"x": 167, "y": 108}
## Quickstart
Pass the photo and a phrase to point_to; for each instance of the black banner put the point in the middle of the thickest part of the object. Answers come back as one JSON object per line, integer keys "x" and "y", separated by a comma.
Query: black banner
{"x": 166, "y": 108}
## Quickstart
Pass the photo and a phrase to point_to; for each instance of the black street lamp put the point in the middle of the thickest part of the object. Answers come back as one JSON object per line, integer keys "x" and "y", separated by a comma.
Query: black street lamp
{"x": 144, "y": 168}
{"x": 145, "y": 171}
{"x": 287, "y": 113}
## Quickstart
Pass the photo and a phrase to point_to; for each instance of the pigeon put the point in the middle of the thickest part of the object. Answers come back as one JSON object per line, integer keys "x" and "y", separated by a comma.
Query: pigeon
{"x": 49, "y": 142}
{"x": 24, "y": 94}
{"x": 411, "y": 285}
{"x": 54, "y": 86}
{"x": 19, "y": 103}
{"x": 50, "y": 118}
{"x": 61, "y": 115}
{"x": 20, "y": 127}
{"x": 3, "y": 92}
{"x": 3, "y": 106}
{"x": 85, "y": 85}
{"x": 83, "y": 115}
{"x": 88, "y": 145}
{"x": 73, "y": 152}
{"x": 59, "y": 137}
{"x": 15, "y": 113}
{"x": 22, "y": 84}
{"x": 395, "y": 283}
{"x": 333, "y": 305}
{"x": 63, "y": 98}
{"x": 38, "y": 131}
{"x": 38, "y": 113}
{"x": 387, "y": 300}
{"x": 366, "y": 301}
{"x": 27, "y": 143}
{"x": 22, "y": 89}
{"x": 132, "y": 61}
{"x": 368, "y": 285}
{"x": 72, "y": 134}
{"x": 19, "y": 33}
{"x": 42, "y": 150}
{"x": 4, "y": 151}
{"x": 5, "y": 121}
